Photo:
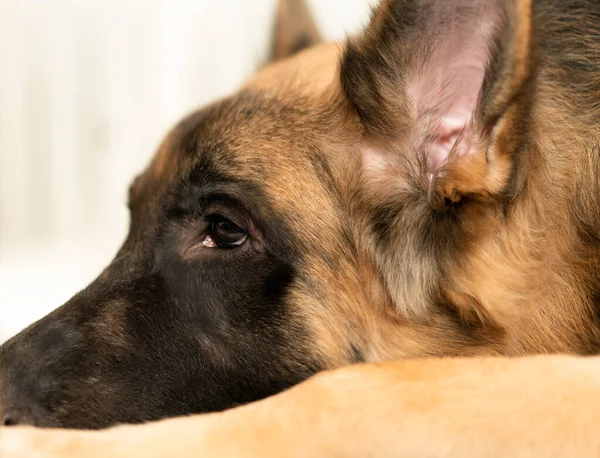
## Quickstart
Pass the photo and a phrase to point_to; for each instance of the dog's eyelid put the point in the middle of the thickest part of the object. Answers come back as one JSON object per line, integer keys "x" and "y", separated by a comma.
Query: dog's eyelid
{"x": 191, "y": 203}
{"x": 238, "y": 217}
{"x": 242, "y": 204}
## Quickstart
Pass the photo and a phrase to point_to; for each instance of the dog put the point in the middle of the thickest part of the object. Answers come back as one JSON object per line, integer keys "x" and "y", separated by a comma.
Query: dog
{"x": 412, "y": 215}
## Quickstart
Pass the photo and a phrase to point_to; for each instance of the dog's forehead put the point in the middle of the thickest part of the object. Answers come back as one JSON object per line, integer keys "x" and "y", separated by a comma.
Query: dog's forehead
{"x": 256, "y": 136}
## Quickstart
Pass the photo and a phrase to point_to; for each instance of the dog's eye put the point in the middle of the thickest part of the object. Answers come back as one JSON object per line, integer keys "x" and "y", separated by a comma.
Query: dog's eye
{"x": 224, "y": 234}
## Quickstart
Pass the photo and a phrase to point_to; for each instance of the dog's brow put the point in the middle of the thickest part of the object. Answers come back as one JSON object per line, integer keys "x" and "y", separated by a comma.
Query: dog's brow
{"x": 206, "y": 183}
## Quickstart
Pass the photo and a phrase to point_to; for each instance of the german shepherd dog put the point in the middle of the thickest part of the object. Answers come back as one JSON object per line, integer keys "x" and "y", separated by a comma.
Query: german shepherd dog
{"x": 423, "y": 199}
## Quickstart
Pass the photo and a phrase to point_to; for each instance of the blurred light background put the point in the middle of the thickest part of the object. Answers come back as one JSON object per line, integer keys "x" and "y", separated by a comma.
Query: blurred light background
{"x": 87, "y": 90}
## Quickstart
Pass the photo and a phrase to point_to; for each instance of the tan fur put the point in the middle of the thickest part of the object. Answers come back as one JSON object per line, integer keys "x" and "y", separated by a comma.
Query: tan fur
{"x": 522, "y": 407}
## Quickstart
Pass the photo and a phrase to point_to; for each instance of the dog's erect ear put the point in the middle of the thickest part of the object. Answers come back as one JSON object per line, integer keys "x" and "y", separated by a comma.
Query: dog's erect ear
{"x": 295, "y": 29}
{"x": 445, "y": 83}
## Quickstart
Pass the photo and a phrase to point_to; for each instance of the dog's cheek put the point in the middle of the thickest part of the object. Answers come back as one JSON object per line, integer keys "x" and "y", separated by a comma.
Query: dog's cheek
{"x": 239, "y": 327}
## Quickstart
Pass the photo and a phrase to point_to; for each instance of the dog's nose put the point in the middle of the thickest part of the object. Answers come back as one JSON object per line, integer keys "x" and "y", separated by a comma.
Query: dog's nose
{"x": 11, "y": 413}
{"x": 9, "y": 420}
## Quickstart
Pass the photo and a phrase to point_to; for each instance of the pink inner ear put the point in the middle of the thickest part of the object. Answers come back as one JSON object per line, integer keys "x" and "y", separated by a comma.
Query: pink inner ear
{"x": 445, "y": 88}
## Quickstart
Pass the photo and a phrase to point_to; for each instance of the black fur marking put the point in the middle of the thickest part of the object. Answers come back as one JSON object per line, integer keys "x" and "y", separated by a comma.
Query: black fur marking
{"x": 382, "y": 223}
{"x": 357, "y": 354}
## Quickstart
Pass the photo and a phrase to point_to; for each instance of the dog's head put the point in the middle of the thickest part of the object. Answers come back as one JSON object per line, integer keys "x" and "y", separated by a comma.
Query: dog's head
{"x": 329, "y": 212}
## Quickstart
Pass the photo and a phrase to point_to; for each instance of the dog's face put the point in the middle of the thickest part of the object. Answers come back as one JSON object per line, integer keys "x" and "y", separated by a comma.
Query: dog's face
{"x": 341, "y": 207}
{"x": 224, "y": 291}
{"x": 235, "y": 236}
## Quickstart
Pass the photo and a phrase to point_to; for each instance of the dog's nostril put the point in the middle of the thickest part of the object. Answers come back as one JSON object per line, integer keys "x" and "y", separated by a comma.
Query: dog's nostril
{"x": 9, "y": 421}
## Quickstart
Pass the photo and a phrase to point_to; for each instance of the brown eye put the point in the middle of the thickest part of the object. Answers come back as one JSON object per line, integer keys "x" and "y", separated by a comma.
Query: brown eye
{"x": 226, "y": 234}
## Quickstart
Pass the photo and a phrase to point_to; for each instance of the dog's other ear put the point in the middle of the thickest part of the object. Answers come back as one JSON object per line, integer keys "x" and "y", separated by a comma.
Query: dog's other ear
{"x": 295, "y": 29}
{"x": 446, "y": 84}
